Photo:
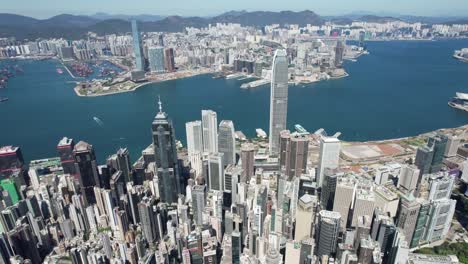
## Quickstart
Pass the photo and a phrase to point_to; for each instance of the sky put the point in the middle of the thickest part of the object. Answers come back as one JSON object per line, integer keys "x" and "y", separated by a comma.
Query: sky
{"x": 48, "y": 8}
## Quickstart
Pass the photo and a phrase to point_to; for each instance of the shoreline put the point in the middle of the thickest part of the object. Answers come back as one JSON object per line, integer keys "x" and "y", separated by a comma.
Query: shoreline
{"x": 139, "y": 85}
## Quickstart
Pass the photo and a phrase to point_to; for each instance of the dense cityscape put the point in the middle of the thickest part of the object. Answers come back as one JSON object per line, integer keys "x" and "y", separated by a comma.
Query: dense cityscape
{"x": 282, "y": 197}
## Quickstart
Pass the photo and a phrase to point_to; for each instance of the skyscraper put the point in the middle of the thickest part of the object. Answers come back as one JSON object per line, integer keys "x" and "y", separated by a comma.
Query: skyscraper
{"x": 138, "y": 47}
{"x": 198, "y": 203}
{"x": 330, "y": 148}
{"x": 439, "y": 144}
{"x": 278, "y": 99}
{"x": 248, "y": 159}
{"x": 156, "y": 59}
{"x": 86, "y": 169}
{"x": 294, "y": 149}
{"x": 408, "y": 216}
{"x": 339, "y": 52}
{"x": 65, "y": 151}
{"x": 194, "y": 137}
{"x": 169, "y": 64}
{"x": 227, "y": 142}
{"x": 328, "y": 230}
{"x": 409, "y": 175}
{"x": 423, "y": 159}
{"x": 210, "y": 131}
{"x": 216, "y": 172}
{"x": 166, "y": 157}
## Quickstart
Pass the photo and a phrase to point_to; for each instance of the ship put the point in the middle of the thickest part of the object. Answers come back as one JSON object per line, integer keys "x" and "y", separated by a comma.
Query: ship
{"x": 460, "y": 101}
{"x": 59, "y": 71}
{"x": 461, "y": 55}
{"x": 3, "y": 99}
{"x": 98, "y": 121}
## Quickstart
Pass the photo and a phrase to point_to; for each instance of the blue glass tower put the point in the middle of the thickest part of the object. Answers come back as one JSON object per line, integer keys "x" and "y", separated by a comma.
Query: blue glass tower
{"x": 138, "y": 47}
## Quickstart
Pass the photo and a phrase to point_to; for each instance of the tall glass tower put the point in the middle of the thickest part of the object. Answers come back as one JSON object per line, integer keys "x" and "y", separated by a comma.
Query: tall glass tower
{"x": 138, "y": 47}
{"x": 166, "y": 157}
{"x": 278, "y": 99}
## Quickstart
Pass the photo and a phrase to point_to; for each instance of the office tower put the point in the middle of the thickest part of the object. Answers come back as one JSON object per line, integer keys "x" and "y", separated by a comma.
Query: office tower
{"x": 194, "y": 137}
{"x": 278, "y": 99}
{"x": 408, "y": 216}
{"x": 86, "y": 169}
{"x": 216, "y": 172}
{"x": 148, "y": 219}
{"x": 327, "y": 233}
{"x": 386, "y": 200}
{"x": 11, "y": 160}
{"x": 420, "y": 226}
{"x": 438, "y": 143}
{"x": 293, "y": 252}
{"x": 329, "y": 156}
{"x": 439, "y": 219}
{"x": 362, "y": 229}
{"x": 343, "y": 198}
{"x": 305, "y": 215}
{"x": 227, "y": 142}
{"x": 408, "y": 178}
{"x": 328, "y": 189}
{"x": 138, "y": 47}
{"x": 198, "y": 203}
{"x": 23, "y": 243}
{"x": 169, "y": 63}
{"x": 464, "y": 176}
{"x": 294, "y": 149}
{"x": 400, "y": 250}
{"x": 210, "y": 131}
{"x": 247, "y": 160}
{"x": 366, "y": 250}
{"x": 383, "y": 230}
{"x": 339, "y": 52}
{"x": 453, "y": 142}
{"x": 65, "y": 150}
{"x": 121, "y": 162}
{"x": 440, "y": 186}
{"x": 156, "y": 59}
{"x": 166, "y": 157}
{"x": 424, "y": 156}
{"x": 236, "y": 246}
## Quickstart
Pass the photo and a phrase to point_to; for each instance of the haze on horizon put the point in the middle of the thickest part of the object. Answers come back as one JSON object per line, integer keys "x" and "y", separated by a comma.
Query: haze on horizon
{"x": 48, "y": 8}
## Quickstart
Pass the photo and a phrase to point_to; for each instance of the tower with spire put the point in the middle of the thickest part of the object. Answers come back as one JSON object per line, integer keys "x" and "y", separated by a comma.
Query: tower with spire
{"x": 165, "y": 153}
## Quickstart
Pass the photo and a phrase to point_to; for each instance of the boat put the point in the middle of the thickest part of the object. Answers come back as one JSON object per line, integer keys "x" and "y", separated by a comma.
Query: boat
{"x": 98, "y": 121}
{"x": 461, "y": 55}
{"x": 460, "y": 101}
{"x": 59, "y": 71}
{"x": 3, "y": 99}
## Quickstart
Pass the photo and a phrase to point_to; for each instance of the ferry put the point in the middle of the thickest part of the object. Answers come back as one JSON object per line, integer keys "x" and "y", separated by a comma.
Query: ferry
{"x": 3, "y": 99}
{"x": 460, "y": 101}
{"x": 461, "y": 55}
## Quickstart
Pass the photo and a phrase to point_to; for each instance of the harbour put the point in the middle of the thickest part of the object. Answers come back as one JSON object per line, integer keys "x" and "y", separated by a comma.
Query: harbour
{"x": 378, "y": 101}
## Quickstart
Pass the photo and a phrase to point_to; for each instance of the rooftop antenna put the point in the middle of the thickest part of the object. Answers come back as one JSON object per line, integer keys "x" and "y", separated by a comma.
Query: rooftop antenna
{"x": 160, "y": 104}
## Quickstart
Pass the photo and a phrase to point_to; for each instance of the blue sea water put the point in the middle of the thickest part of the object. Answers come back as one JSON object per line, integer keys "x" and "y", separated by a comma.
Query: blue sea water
{"x": 400, "y": 89}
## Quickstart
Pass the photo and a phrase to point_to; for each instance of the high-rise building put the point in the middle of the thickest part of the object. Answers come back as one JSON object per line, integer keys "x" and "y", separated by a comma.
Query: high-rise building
{"x": 198, "y": 203}
{"x": 216, "y": 172}
{"x": 364, "y": 204}
{"x": 278, "y": 99}
{"x": 464, "y": 175}
{"x": 438, "y": 143}
{"x": 330, "y": 148}
{"x": 343, "y": 198}
{"x": 305, "y": 215}
{"x": 423, "y": 160}
{"x": 169, "y": 63}
{"x": 248, "y": 159}
{"x": 11, "y": 160}
{"x": 227, "y": 142}
{"x": 408, "y": 216}
{"x": 294, "y": 149}
{"x": 86, "y": 169}
{"x": 148, "y": 219}
{"x": 138, "y": 47}
{"x": 408, "y": 179}
{"x": 65, "y": 150}
{"x": 194, "y": 133}
{"x": 328, "y": 188}
{"x": 339, "y": 52}
{"x": 210, "y": 131}
{"x": 121, "y": 162}
{"x": 23, "y": 243}
{"x": 156, "y": 59}
{"x": 453, "y": 143}
{"x": 420, "y": 226}
{"x": 166, "y": 157}
{"x": 327, "y": 233}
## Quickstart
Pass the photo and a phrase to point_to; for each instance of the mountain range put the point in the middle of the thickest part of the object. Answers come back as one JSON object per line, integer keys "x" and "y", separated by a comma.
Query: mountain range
{"x": 77, "y": 26}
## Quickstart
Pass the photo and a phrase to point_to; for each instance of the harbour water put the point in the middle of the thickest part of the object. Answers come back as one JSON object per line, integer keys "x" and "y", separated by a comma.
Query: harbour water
{"x": 400, "y": 89}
